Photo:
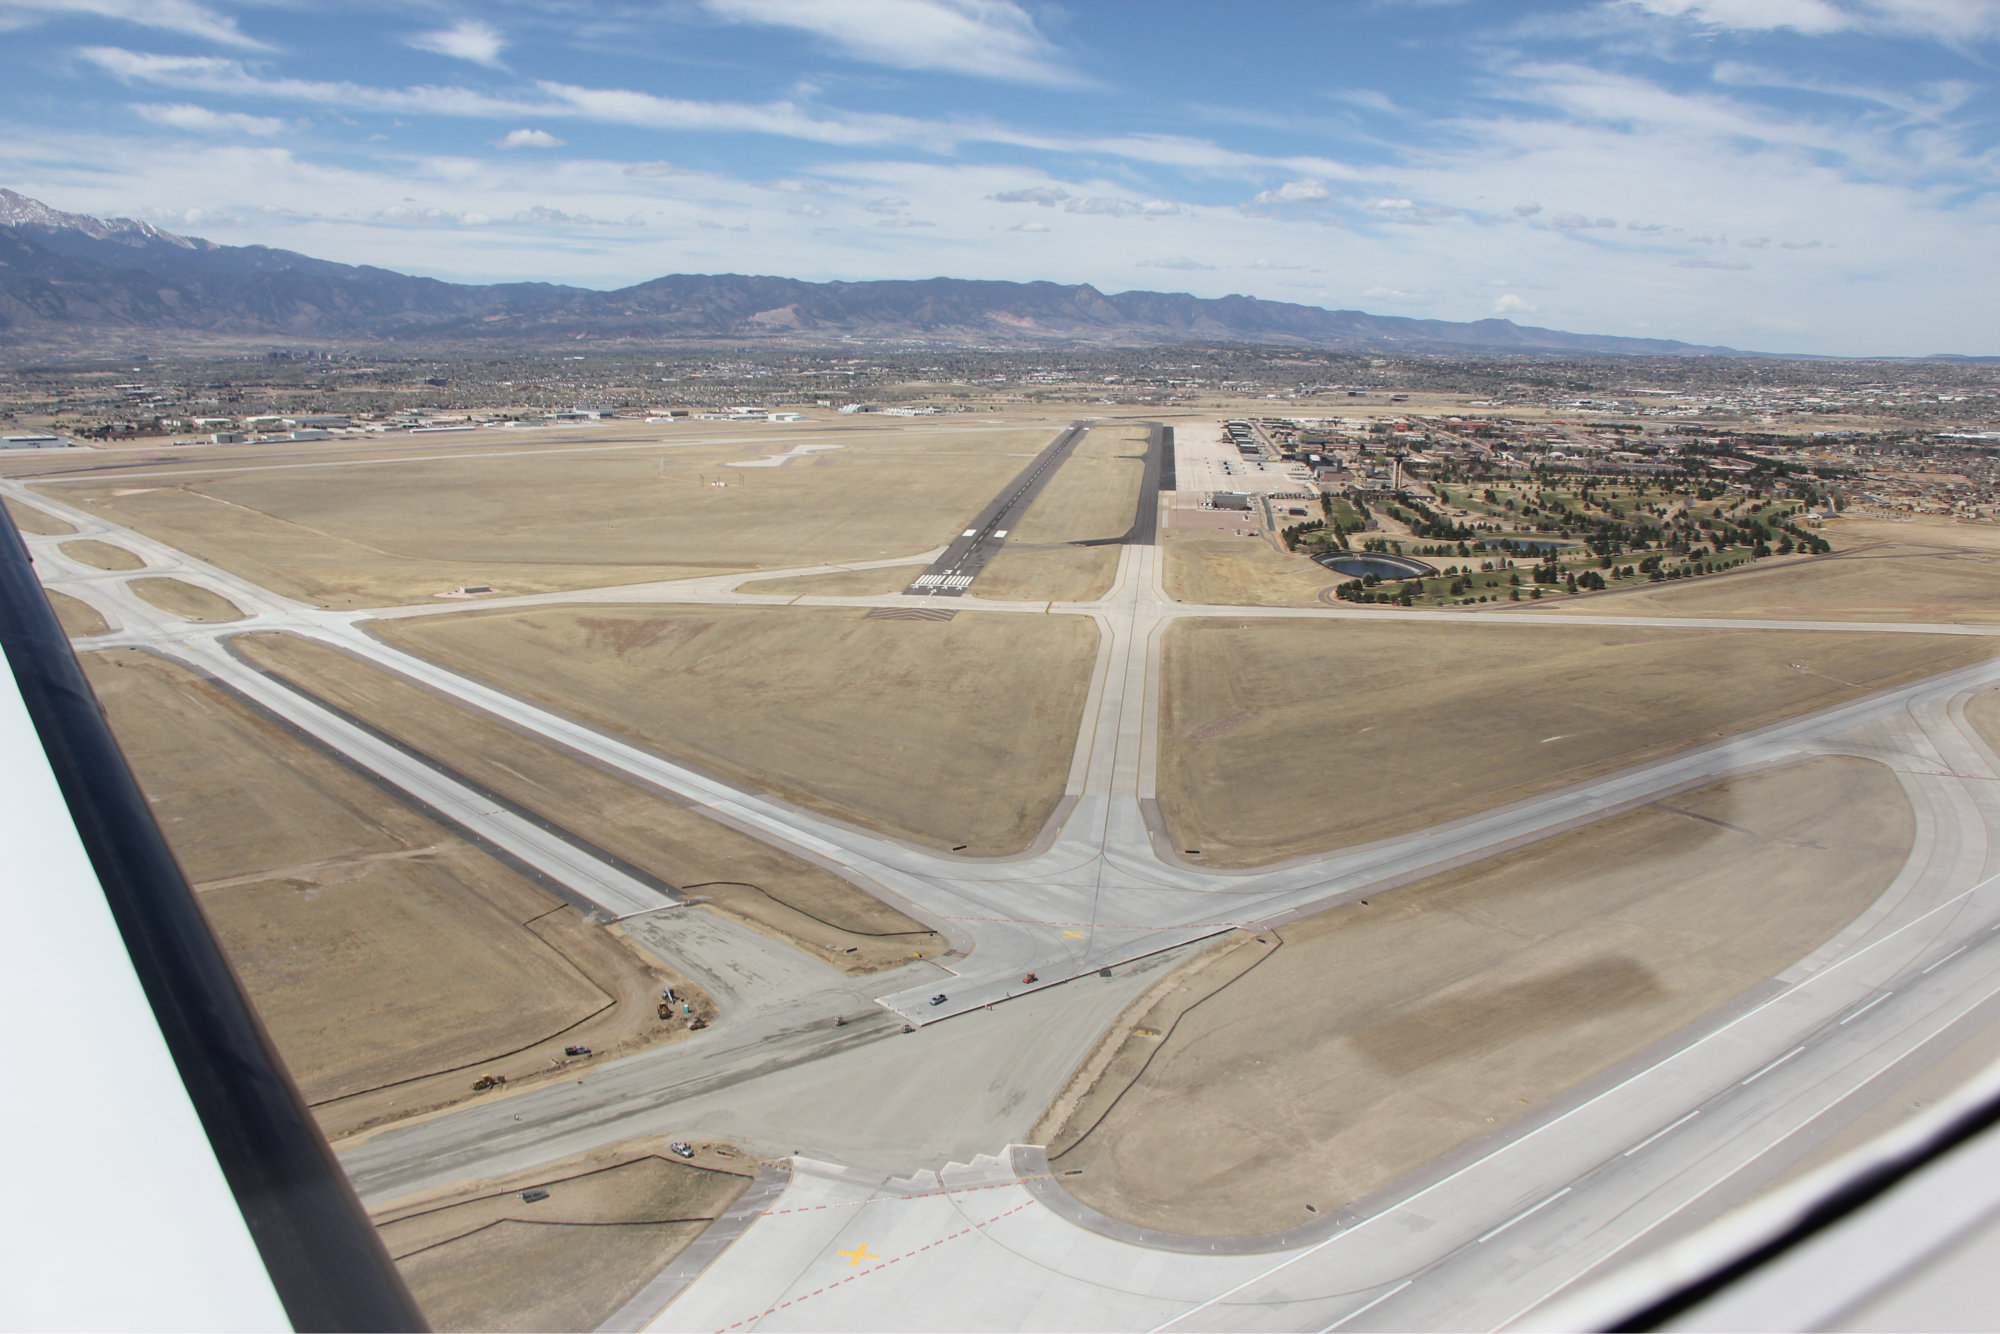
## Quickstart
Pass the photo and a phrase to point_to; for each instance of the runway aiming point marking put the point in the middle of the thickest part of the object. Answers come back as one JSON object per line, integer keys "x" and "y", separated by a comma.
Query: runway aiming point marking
{"x": 909, "y": 614}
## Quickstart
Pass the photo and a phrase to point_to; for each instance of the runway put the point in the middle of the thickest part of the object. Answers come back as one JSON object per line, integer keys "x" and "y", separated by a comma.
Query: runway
{"x": 952, "y": 573}
{"x": 1480, "y": 1238}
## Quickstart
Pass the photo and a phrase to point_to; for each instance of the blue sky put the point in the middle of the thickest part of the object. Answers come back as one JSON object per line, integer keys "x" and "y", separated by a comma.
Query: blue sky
{"x": 1786, "y": 175}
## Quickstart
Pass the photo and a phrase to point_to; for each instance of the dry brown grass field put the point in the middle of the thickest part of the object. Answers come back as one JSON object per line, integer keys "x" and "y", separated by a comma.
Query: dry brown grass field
{"x": 541, "y": 515}
{"x": 380, "y": 948}
{"x": 101, "y": 555}
{"x": 1365, "y": 1041}
{"x": 186, "y": 600}
{"x": 478, "y": 1257}
{"x": 948, "y": 733}
{"x": 1220, "y": 570}
{"x": 1919, "y": 571}
{"x": 78, "y": 618}
{"x": 1280, "y": 738}
{"x": 803, "y": 903}
{"x": 31, "y": 520}
{"x": 1092, "y": 497}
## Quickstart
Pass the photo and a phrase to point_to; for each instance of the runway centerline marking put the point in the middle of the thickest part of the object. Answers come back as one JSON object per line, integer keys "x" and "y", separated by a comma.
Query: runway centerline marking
{"x": 1527, "y": 1213}
{"x": 1364, "y": 1310}
{"x": 1657, "y": 1134}
{"x": 1948, "y": 958}
{"x": 1866, "y": 1008}
{"x": 1772, "y": 1066}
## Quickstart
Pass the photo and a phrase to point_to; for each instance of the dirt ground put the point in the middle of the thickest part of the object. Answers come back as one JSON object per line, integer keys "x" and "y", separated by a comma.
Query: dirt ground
{"x": 953, "y": 733}
{"x": 387, "y": 956}
{"x": 805, "y": 904}
{"x": 78, "y": 618}
{"x": 1281, "y": 738}
{"x": 31, "y": 520}
{"x": 1923, "y": 570}
{"x": 1227, "y": 571}
{"x": 1467, "y": 999}
{"x": 186, "y": 601}
{"x": 102, "y": 555}
{"x": 477, "y": 1256}
{"x": 536, "y": 512}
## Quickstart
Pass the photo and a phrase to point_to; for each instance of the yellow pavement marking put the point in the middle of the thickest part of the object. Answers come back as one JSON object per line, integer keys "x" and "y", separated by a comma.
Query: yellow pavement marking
{"x": 857, "y": 1255}
{"x": 1073, "y": 933}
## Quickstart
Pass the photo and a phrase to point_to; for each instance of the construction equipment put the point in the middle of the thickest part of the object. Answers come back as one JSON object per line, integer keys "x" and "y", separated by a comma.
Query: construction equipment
{"x": 484, "y": 1082}
{"x": 577, "y": 1050}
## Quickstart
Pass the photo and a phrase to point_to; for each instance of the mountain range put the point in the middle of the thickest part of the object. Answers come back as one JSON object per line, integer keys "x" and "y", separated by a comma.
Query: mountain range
{"x": 67, "y": 274}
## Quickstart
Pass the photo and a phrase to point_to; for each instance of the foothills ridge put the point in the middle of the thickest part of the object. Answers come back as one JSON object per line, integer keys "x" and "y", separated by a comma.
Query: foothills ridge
{"x": 63, "y": 274}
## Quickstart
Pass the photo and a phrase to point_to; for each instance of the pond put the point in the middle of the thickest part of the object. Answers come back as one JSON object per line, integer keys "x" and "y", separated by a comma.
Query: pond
{"x": 1360, "y": 564}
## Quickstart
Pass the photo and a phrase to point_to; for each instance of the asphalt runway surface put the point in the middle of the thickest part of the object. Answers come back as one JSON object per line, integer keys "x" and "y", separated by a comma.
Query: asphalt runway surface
{"x": 967, "y": 555}
{"x": 911, "y": 1203}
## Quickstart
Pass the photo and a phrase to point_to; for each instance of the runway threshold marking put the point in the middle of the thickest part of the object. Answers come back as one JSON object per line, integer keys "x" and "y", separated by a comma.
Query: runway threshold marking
{"x": 875, "y": 1269}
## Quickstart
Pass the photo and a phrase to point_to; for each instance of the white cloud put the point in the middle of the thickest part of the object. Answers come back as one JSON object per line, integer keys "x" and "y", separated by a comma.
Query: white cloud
{"x": 1511, "y": 302}
{"x": 904, "y": 222}
{"x": 1527, "y": 208}
{"x": 1295, "y": 192}
{"x": 468, "y": 39}
{"x": 891, "y": 204}
{"x": 1046, "y": 195}
{"x": 1577, "y": 222}
{"x": 201, "y": 120}
{"x": 529, "y": 139}
{"x": 1694, "y": 262}
{"x": 992, "y": 39}
{"x": 1942, "y": 20}
{"x": 1112, "y": 207}
{"x": 1029, "y": 227}
{"x": 1809, "y": 16}
{"x": 1174, "y": 262}
{"x": 654, "y": 168}
{"x": 181, "y": 16}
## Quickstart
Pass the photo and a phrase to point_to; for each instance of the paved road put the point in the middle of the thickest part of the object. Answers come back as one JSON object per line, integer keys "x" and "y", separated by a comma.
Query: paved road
{"x": 967, "y": 555}
{"x": 1477, "y": 1240}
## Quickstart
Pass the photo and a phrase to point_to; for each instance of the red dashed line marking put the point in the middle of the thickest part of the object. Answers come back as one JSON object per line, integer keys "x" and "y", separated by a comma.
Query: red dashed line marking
{"x": 876, "y": 1269}
{"x": 920, "y": 1195}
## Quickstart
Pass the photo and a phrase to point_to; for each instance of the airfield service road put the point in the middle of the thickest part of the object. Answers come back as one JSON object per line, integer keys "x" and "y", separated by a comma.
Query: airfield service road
{"x": 1479, "y": 1238}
